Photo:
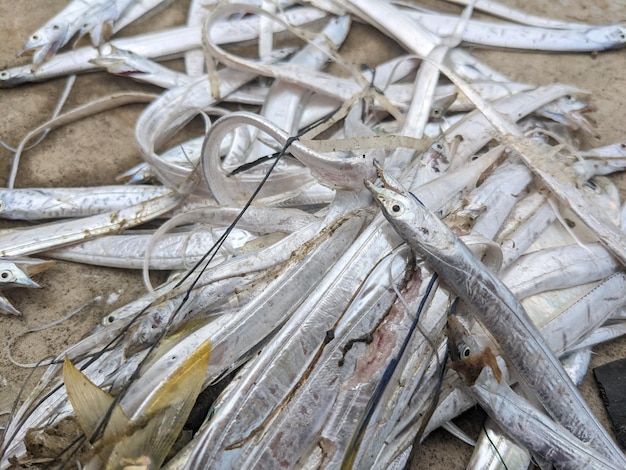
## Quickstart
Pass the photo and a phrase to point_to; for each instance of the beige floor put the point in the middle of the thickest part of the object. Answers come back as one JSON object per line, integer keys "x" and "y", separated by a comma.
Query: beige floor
{"x": 96, "y": 149}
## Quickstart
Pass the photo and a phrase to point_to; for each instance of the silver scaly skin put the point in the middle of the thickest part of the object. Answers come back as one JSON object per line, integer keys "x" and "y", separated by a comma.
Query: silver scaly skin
{"x": 496, "y": 308}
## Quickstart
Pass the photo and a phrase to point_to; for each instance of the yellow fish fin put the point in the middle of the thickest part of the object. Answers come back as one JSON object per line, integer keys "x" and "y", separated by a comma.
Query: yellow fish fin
{"x": 91, "y": 404}
{"x": 163, "y": 418}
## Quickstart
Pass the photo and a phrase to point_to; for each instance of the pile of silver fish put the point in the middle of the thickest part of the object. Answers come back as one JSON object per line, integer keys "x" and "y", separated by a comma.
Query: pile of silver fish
{"x": 358, "y": 254}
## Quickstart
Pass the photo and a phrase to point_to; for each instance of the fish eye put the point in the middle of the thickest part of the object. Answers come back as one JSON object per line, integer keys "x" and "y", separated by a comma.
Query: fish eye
{"x": 35, "y": 37}
{"x": 438, "y": 147}
{"x": 4, "y": 75}
{"x": 591, "y": 184}
{"x": 464, "y": 351}
{"x": 5, "y": 275}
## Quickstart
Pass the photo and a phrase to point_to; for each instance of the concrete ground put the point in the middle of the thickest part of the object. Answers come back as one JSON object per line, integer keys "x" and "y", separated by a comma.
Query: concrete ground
{"x": 96, "y": 149}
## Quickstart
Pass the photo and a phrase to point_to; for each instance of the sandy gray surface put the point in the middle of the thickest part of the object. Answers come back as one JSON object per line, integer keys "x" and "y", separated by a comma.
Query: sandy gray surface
{"x": 95, "y": 150}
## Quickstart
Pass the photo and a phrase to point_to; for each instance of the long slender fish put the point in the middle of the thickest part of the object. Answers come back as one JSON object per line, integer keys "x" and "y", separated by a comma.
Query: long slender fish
{"x": 522, "y": 420}
{"x": 496, "y": 308}
{"x": 512, "y": 36}
{"x": 169, "y": 43}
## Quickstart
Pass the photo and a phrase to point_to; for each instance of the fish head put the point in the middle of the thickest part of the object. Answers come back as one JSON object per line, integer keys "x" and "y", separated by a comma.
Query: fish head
{"x": 391, "y": 196}
{"x": 12, "y": 276}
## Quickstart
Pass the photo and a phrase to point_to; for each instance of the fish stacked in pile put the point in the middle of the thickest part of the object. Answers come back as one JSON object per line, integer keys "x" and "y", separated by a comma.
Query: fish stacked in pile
{"x": 340, "y": 335}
